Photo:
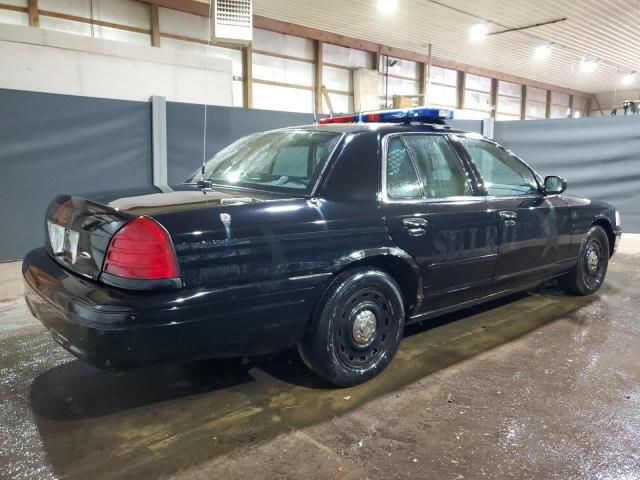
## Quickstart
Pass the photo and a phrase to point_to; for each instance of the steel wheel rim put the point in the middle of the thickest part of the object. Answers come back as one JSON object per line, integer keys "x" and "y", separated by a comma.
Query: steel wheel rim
{"x": 364, "y": 351}
{"x": 593, "y": 260}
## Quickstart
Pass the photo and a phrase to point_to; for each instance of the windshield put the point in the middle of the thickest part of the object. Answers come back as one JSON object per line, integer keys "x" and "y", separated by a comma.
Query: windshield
{"x": 280, "y": 161}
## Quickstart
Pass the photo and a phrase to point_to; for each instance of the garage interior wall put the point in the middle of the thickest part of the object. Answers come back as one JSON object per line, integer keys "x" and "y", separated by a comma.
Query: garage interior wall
{"x": 397, "y": 77}
{"x": 598, "y": 156}
{"x": 607, "y": 100}
{"x": 52, "y": 144}
{"x": 82, "y": 141}
{"x": 185, "y": 126}
{"x": 338, "y": 64}
{"x": 83, "y": 144}
{"x": 283, "y": 66}
{"x": 59, "y": 62}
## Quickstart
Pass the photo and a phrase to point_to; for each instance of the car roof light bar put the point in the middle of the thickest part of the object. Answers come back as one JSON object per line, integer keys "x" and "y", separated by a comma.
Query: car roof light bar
{"x": 400, "y": 115}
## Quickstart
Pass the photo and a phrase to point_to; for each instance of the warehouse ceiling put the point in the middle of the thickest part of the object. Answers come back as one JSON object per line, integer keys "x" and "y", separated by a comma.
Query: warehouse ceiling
{"x": 604, "y": 31}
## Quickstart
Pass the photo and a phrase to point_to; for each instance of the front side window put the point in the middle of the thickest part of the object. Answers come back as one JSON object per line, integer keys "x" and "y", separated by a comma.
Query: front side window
{"x": 503, "y": 174}
{"x": 287, "y": 160}
{"x": 424, "y": 167}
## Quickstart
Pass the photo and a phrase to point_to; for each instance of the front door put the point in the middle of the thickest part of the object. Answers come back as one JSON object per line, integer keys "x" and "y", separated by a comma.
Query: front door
{"x": 434, "y": 214}
{"x": 534, "y": 230}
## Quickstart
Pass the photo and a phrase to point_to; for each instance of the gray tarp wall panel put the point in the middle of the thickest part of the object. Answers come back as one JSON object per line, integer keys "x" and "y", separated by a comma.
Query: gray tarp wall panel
{"x": 600, "y": 157}
{"x": 468, "y": 125}
{"x": 51, "y": 144}
{"x": 185, "y": 123}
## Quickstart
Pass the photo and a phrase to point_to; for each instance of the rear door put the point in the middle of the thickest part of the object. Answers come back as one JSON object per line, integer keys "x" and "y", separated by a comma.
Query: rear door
{"x": 534, "y": 230}
{"x": 434, "y": 214}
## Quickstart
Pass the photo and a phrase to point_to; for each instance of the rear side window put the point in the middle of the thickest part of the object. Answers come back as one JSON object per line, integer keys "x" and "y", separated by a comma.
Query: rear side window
{"x": 402, "y": 177}
{"x": 424, "y": 167}
{"x": 503, "y": 174}
{"x": 287, "y": 161}
{"x": 440, "y": 168}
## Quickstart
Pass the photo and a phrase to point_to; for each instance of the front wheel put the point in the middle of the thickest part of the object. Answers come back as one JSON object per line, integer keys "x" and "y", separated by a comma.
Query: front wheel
{"x": 587, "y": 275}
{"x": 356, "y": 329}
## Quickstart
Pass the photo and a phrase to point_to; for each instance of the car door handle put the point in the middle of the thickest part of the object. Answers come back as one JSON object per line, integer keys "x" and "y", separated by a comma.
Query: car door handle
{"x": 415, "y": 222}
{"x": 416, "y": 226}
{"x": 509, "y": 217}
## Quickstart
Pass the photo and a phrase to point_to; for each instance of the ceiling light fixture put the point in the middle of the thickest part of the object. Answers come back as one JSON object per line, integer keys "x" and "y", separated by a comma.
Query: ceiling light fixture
{"x": 542, "y": 51}
{"x": 479, "y": 31}
{"x": 628, "y": 78}
{"x": 387, "y": 7}
{"x": 588, "y": 66}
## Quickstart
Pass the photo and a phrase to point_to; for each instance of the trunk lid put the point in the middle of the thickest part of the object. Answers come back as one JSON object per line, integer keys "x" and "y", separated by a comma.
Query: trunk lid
{"x": 78, "y": 233}
{"x": 79, "y": 228}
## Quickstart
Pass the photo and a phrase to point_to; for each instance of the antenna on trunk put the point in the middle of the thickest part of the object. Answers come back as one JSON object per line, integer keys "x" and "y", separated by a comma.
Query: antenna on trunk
{"x": 206, "y": 84}
{"x": 203, "y": 184}
{"x": 315, "y": 103}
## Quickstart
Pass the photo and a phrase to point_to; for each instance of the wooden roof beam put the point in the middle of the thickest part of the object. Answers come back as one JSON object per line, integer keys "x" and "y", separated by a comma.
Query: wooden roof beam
{"x": 200, "y": 8}
{"x": 188, "y": 6}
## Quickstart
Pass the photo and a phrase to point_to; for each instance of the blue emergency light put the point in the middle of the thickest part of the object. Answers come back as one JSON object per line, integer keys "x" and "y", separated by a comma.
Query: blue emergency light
{"x": 399, "y": 115}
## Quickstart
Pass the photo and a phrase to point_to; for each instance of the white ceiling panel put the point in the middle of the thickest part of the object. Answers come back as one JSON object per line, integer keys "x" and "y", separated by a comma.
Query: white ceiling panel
{"x": 604, "y": 30}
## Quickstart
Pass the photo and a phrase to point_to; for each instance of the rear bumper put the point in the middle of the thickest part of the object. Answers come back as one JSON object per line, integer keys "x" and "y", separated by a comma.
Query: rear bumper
{"x": 115, "y": 328}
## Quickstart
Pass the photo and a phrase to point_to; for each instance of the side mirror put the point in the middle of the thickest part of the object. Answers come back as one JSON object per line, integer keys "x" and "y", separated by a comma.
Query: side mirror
{"x": 554, "y": 185}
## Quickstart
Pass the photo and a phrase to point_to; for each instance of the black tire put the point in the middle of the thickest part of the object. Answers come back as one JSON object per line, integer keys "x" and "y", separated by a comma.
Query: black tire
{"x": 335, "y": 348}
{"x": 587, "y": 275}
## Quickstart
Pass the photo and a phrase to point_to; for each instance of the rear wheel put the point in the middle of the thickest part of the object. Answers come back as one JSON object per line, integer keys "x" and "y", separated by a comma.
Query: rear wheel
{"x": 356, "y": 329}
{"x": 587, "y": 275}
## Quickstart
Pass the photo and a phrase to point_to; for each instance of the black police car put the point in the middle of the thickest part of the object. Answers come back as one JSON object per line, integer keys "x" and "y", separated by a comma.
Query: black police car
{"x": 332, "y": 237}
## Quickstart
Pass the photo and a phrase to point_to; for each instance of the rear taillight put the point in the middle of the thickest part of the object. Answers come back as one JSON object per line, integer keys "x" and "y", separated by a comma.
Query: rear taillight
{"x": 141, "y": 250}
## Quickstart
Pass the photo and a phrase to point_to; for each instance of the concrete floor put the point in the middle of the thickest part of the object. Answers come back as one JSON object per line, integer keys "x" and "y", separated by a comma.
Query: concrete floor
{"x": 541, "y": 385}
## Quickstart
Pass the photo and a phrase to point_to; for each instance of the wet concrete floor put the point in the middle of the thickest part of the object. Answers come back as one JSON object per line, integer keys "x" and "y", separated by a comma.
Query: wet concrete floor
{"x": 539, "y": 385}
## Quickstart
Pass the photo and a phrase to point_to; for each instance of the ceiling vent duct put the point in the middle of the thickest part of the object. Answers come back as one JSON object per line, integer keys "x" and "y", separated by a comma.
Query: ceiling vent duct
{"x": 232, "y": 22}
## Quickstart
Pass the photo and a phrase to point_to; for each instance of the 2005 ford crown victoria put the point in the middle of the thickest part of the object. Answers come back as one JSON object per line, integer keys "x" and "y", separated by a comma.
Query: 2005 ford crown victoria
{"x": 331, "y": 237}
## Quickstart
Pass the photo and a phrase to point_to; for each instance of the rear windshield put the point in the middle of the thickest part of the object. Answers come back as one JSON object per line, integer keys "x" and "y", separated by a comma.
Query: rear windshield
{"x": 280, "y": 161}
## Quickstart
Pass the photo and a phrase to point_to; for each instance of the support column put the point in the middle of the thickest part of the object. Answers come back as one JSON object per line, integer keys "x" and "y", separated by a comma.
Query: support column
{"x": 494, "y": 97}
{"x": 317, "y": 87}
{"x": 34, "y": 16}
{"x": 155, "y": 26}
{"x": 570, "y": 106}
{"x": 159, "y": 140}
{"x": 461, "y": 87}
{"x": 547, "y": 112}
{"x": 488, "y": 127}
{"x": 247, "y": 76}
{"x": 428, "y": 73}
{"x": 422, "y": 83}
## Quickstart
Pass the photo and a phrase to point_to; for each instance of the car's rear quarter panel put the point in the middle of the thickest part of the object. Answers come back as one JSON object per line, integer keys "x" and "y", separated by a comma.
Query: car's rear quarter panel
{"x": 266, "y": 240}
